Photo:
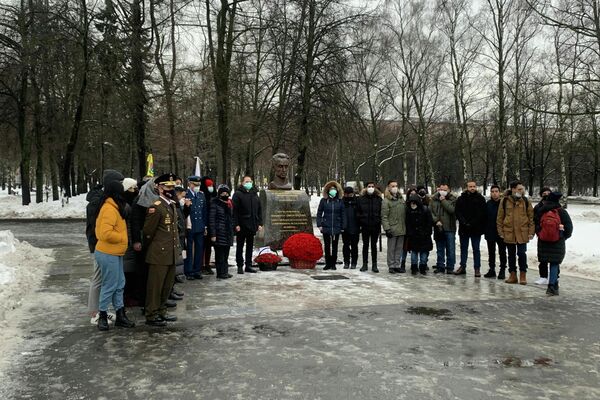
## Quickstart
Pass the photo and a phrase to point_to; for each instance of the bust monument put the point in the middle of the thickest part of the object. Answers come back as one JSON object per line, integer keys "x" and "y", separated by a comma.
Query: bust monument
{"x": 281, "y": 164}
{"x": 285, "y": 211}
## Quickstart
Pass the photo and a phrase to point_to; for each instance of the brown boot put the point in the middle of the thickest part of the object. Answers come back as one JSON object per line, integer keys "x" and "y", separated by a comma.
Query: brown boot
{"x": 512, "y": 278}
{"x": 523, "y": 278}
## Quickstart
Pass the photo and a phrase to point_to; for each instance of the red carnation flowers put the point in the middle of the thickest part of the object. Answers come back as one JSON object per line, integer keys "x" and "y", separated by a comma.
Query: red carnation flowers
{"x": 267, "y": 258}
{"x": 303, "y": 247}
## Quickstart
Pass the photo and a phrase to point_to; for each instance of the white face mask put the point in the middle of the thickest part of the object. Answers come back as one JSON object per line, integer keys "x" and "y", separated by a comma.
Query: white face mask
{"x": 196, "y": 189}
{"x": 182, "y": 202}
{"x": 518, "y": 195}
{"x": 394, "y": 190}
{"x": 443, "y": 193}
{"x": 211, "y": 189}
{"x": 413, "y": 206}
{"x": 370, "y": 190}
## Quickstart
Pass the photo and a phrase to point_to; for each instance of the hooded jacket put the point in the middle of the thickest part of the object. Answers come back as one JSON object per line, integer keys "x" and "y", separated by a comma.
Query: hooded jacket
{"x": 368, "y": 211}
{"x": 393, "y": 214}
{"x": 444, "y": 211}
{"x": 352, "y": 227}
{"x": 491, "y": 209}
{"x": 471, "y": 213}
{"x": 419, "y": 226}
{"x": 247, "y": 211}
{"x": 111, "y": 230}
{"x": 94, "y": 198}
{"x": 515, "y": 219}
{"x": 331, "y": 214}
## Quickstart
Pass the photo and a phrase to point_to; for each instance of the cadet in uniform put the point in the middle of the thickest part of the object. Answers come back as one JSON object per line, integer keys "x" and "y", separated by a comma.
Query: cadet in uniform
{"x": 162, "y": 241}
{"x": 197, "y": 225}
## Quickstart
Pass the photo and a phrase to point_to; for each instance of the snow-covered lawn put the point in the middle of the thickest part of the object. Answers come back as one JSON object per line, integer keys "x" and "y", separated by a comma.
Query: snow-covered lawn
{"x": 10, "y": 207}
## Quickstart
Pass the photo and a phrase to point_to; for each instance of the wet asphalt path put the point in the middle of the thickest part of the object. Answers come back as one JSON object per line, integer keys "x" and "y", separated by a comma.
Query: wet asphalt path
{"x": 283, "y": 335}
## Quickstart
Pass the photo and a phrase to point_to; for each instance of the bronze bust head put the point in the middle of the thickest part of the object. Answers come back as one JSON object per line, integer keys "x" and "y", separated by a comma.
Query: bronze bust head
{"x": 281, "y": 164}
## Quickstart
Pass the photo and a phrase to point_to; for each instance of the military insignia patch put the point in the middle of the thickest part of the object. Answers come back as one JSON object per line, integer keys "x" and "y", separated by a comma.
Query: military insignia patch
{"x": 157, "y": 203}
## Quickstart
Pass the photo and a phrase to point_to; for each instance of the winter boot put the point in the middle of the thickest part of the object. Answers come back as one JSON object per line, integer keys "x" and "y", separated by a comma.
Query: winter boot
{"x": 512, "y": 278}
{"x": 240, "y": 269}
{"x": 501, "y": 273}
{"x": 353, "y": 266}
{"x": 364, "y": 268}
{"x": 461, "y": 271}
{"x": 402, "y": 269}
{"x": 477, "y": 273}
{"x": 523, "y": 278}
{"x": 403, "y": 264}
{"x": 392, "y": 270}
{"x": 346, "y": 265}
{"x": 327, "y": 263}
{"x": 250, "y": 269}
{"x": 122, "y": 319}
{"x": 491, "y": 273}
{"x": 423, "y": 269}
{"x": 375, "y": 269}
{"x": 102, "y": 321}
{"x": 552, "y": 290}
{"x": 414, "y": 269}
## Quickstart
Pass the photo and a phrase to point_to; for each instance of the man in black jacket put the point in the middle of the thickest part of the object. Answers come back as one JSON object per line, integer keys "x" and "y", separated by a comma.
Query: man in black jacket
{"x": 351, "y": 234}
{"x": 368, "y": 213}
{"x": 471, "y": 213}
{"x": 247, "y": 219}
{"x": 491, "y": 235}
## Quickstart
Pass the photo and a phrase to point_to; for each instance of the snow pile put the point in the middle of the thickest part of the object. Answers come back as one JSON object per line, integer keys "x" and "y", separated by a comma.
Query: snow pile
{"x": 22, "y": 268}
{"x": 10, "y": 207}
{"x": 583, "y": 252}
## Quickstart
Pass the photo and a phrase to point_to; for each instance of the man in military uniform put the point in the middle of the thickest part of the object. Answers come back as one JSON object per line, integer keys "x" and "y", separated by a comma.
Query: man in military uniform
{"x": 162, "y": 241}
{"x": 197, "y": 229}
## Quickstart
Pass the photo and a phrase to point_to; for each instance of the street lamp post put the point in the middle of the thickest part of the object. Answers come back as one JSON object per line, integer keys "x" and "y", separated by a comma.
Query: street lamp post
{"x": 102, "y": 155}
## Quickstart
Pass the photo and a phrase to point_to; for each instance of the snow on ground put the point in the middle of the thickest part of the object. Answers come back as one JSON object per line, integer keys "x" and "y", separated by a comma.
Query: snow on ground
{"x": 22, "y": 268}
{"x": 10, "y": 207}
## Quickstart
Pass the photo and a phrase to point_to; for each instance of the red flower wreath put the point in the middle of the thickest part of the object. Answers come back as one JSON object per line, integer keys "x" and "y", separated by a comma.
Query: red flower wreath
{"x": 267, "y": 258}
{"x": 304, "y": 247}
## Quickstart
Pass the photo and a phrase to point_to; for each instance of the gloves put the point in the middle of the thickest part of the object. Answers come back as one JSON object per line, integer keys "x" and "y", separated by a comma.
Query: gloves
{"x": 388, "y": 234}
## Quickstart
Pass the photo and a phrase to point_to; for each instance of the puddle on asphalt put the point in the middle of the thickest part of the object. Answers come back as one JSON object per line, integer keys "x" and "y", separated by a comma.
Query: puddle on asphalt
{"x": 269, "y": 330}
{"x": 517, "y": 362}
{"x": 439, "y": 313}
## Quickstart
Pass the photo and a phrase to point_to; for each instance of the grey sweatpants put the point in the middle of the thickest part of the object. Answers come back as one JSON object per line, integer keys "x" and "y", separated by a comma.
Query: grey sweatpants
{"x": 395, "y": 246}
{"x": 95, "y": 284}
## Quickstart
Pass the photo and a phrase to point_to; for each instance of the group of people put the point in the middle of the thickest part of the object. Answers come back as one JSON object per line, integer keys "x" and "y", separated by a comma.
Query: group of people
{"x": 144, "y": 239}
{"x": 507, "y": 221}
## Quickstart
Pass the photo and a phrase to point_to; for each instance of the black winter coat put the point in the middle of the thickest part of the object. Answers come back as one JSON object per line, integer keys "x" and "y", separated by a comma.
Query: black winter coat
{"x": 94, "y": 197}
{"x": 247, "y": 212}
{"x": 368, "y": 212}
{"x": 419, "y": 228}
{"x": 471, "y": 213}
{"x": 352, "y": 227}
{"x": 491, "y": 231}
{"x": 220, "y": 223}
{"x": 547, "y": 251}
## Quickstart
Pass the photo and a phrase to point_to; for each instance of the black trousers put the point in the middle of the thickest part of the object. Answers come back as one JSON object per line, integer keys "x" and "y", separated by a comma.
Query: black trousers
{"x": 369, "y": 238}
{"x": 221, "y": 257}
{"x": 543, "y": 267}
{"x": 350, "y": 248}
{"x": 241, "y": 239}
{"x": 491, "y": 245}
{"x": 331, "y": 249}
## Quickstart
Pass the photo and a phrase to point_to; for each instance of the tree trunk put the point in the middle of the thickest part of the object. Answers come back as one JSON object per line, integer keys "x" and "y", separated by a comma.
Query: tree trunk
{"x": 137, "y": 81}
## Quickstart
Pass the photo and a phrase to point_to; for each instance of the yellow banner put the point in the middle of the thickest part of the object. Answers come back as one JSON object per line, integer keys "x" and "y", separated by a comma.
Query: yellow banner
{"x": 150, "y": 165}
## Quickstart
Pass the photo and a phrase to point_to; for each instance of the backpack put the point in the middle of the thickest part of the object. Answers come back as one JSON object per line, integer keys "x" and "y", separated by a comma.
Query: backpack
{"x": 549, "y": 226}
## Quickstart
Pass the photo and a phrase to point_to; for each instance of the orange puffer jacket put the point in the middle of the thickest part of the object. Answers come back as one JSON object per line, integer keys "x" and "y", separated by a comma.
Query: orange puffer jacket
{"x": 111, "y": 230}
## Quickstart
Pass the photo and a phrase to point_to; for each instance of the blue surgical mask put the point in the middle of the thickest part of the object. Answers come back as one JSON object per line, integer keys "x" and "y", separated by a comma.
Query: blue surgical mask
{"x": 247, "y": 185}
{"x": 332, "y": 193}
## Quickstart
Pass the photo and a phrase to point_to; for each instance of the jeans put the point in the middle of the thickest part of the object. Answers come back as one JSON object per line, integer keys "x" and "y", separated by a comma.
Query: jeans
{"x": 369, "y": 238}
{"x": 554, "y": 271}
{"x": 241, "y": 238}
{"x": 331, "y": 249}
{"x": 113, "y": 280}
{"x": 221, "y": 263}
{"x": 491, "y": 246}
{"x": 514, "y": 251}
{"x": 419, "y": 257}
{"x": 395, "y": 248}
{"x": 350, "y": 248}
{"x": 464, "y": 250}
{"x": 446, "y": 251}
{"x": 195, "y": 254}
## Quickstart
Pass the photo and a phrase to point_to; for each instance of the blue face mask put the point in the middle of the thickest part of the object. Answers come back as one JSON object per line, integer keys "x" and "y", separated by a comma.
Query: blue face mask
{"x": 247, "y": 185}
{"x": 332, "y": 193}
